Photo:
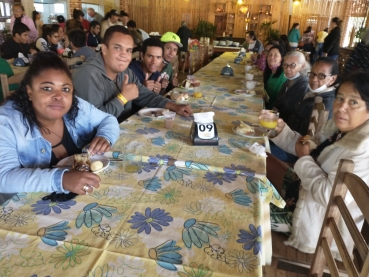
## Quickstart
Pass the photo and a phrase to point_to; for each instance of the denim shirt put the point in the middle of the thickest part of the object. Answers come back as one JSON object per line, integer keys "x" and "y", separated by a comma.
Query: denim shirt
{"x": 25, "y": 155}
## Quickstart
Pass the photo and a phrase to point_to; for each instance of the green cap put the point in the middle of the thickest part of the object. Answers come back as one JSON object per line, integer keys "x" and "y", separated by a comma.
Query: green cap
{"x": 171, "y": 37}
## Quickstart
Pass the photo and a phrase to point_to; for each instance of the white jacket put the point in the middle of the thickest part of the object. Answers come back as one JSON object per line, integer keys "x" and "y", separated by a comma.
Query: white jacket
{"x": 317, "y": 179}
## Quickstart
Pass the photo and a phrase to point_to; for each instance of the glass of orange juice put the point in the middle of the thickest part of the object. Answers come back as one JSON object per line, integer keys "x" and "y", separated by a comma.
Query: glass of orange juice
{"x": 269, "y": 119}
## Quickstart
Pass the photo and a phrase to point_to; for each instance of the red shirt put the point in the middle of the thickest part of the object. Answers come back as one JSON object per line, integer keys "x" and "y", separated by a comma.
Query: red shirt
{"x": 86, "y": 24}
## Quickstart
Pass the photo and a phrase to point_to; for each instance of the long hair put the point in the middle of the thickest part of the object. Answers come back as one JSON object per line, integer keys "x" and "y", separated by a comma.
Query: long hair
{"x": 268, "y": 71}
{"x": 293, "y": 27}
{"x": 42, "y": 62}
{"x": 34, "y": 17}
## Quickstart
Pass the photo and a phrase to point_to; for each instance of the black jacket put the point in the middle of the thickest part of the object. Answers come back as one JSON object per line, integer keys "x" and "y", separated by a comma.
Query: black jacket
{"x": 184, "y": 33}
{"x": 10, "y": 49}
{"x": 289, "y": 98}
{"x": 300, "y": 118}
{"x": 331, "y": 44}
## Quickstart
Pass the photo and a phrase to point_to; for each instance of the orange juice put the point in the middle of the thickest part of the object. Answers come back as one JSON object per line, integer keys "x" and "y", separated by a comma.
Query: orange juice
{"x": 268, "y": 124}
{"x": 197, "y": 94}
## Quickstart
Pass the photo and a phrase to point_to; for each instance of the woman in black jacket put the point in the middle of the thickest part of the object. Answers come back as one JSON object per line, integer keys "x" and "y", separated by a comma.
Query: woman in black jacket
{"x": 331, "y": 46}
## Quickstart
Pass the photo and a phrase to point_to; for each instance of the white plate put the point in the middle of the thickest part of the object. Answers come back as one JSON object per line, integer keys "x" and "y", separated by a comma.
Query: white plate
{"x": 243, "y": 92}
{"x": 256, "y": 83}
{"x": 68, "y": 161}
{"x": 259, "y": 132}
{"x": 148, "y": 112}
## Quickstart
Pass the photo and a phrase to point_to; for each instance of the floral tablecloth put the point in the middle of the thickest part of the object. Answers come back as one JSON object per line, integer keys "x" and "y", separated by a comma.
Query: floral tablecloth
{"x": 191, "y": 210}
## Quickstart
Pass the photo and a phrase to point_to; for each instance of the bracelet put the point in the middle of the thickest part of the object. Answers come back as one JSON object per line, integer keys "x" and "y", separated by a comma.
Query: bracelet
{"x": 122, "y": 98}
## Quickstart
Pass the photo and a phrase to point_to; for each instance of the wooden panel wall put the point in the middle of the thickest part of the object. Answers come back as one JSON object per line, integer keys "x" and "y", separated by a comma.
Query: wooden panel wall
{"x": 166, "y": 15}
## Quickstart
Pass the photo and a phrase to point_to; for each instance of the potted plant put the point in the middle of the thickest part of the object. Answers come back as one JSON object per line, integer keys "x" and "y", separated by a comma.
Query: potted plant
{"x": 268, "y": 32}
{"x": 205, "y": 29}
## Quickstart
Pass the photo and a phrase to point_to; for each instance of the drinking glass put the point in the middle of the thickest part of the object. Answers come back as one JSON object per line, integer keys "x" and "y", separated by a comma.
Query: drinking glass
{"x": 132, "y": 163}
{"x": 269, "y": 119}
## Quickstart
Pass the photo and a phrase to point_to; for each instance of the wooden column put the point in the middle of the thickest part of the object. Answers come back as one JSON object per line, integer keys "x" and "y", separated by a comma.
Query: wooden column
{"x": 74, "y": 4}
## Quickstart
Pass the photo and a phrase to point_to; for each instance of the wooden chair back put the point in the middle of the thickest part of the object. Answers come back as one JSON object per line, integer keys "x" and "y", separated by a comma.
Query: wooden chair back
{"x": 5, "y": 82}
{"x": 337, "y": 209}
{"x": 194, "y": 61}
{"x": 319, "y": 116}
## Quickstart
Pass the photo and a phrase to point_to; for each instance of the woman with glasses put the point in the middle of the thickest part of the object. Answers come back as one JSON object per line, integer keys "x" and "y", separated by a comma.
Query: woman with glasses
{"x": 20, "y": 17}
{"x": 307, "y": 187}
{"x": 322, "y": 78}
{"x": 48, "y": 41}
{"x": 273, "y": 74}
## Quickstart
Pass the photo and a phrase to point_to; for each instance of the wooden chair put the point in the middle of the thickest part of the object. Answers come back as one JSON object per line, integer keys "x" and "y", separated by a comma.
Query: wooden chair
{"x": 194, "y": 61}
{"x": 319, "y": 116}
{"x": 5, "y": 82}
{"x": 337, "y": 209}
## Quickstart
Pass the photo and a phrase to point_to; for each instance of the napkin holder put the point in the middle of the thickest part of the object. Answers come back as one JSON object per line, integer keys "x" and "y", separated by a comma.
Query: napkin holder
{"x": 242, "y": 54}
{"x": 197, "y": 138}
{"x": 227, "y": 70}
{"x": 238, "y": 60}
{"x": 21, "y": 60}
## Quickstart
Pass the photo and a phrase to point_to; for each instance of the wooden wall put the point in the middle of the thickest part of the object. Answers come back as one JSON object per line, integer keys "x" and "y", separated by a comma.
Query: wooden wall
{"x": 166, "y": 15}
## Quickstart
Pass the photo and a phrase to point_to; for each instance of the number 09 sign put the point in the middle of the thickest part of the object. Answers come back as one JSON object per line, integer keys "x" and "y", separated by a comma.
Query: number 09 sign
{"x": 205, "y": 131}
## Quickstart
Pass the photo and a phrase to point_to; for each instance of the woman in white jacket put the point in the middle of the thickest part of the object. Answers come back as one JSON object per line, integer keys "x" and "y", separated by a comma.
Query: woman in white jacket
{"x": 307, "y": 187}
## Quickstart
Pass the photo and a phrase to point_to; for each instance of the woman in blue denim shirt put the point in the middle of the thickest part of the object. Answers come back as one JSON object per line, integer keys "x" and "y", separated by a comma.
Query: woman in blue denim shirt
{"x": 44, "y": 122}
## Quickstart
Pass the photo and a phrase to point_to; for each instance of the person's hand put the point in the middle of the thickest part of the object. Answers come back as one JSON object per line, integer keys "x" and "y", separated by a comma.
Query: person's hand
{"x": 184, "y": 110}
{"x": 302, "y": 149}
{"x": 33, "y": 51}
{"x": 157, "y": 85}
{"x": 164, "y": 83}
{"x": 75, "y": 181}
{"x": 129, "y": 91}
{"x": 175, "y": 80}
{"x": 280, "y": 123}
{"x": 148, "y": 83}
{"x": 99, "y": 145}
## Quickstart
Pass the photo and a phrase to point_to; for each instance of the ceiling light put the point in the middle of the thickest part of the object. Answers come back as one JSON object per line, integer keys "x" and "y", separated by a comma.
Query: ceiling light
{"x": 296, "y": 2}
{"x": 240, "y": 2}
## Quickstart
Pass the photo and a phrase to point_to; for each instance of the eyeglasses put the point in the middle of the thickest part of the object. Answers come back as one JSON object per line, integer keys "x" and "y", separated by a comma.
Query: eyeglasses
{"x": 320, "y": 76}
{"x": 291, "y": 65}
{"x": 17, "y": 11}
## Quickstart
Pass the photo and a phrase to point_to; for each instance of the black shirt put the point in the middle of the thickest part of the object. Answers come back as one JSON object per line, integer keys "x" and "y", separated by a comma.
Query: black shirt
{"x": 10, "y": 49}
{"x": 69, "y": 145}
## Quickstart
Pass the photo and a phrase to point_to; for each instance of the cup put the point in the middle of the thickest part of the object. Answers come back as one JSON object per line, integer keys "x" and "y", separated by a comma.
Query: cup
{"x": 268, "y": 119}
{"x": 250, "y": 84}
{"x": 132, "y": 163}
{"x": 247, "y": 67}
{"x": 169, "y": 119}
{"x": 249, "y": 76}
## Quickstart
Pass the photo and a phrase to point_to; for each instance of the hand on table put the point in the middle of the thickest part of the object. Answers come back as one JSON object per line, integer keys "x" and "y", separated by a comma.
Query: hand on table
{"x": 184, "y": 110}
{"x": 76, "y": 181}
{"x": 99, "y": 145}
{"x": 129, "y": 91}
{"x": 302, "y": 149}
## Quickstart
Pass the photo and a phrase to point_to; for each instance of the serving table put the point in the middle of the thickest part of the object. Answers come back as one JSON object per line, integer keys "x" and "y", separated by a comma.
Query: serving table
{"x": 190, "y": 211}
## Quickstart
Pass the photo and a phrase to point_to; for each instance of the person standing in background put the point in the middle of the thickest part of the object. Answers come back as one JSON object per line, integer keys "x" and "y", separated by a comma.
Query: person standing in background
{"x": 319, "y": 43}
{"x": 94, "y": 15}
{"x": 294, "y": 36}
{"x": 36, "y": 16}
{"x": 19, "y": 17}
{"x": 331, "y": 46}
{"x": 308, "y": 40}
{"x": 184, "y": 33}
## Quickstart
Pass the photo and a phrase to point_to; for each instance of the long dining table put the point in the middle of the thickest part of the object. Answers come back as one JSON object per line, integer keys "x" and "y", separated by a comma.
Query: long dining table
{"x": 190, "y": 211}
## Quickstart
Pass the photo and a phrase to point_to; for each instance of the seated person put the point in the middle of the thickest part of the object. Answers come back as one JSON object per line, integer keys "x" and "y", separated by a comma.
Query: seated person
{"x": 146, "y": 70}
{"x": 18, "y": 43}
{"x": 44, "y": 122}
{"x": 171, "y": 44}
{"x": 63, "y": 38}
{"x": 273, "y": 74}
{"x": 307, "y": 187}
{"x": 110, "y": 19}
{"x": 48, "y": 41}
{"x": 292, "y": 92}
{"x": 137, "y": 45}
{"x": 106, "y": 81}
{"x": 93, "y": 37}
{"x": 7, "y": 70}
{"x": 77, "y": 42}
{"x": 131, "y": 25}
{"x": 322, "y": 78}
{"x": 252, "y": 44}
{"x": 260, "y": 59}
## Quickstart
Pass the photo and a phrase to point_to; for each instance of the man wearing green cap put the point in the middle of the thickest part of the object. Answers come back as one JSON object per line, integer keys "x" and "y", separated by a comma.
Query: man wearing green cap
{"x": 171, "y": 44}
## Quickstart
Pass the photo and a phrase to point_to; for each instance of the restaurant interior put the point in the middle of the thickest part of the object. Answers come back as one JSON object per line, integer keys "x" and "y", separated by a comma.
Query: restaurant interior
{"x": 188, "y": 205}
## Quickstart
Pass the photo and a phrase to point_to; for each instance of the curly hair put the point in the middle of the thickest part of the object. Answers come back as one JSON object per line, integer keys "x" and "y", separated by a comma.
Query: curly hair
{"x": 42, "y": 62}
